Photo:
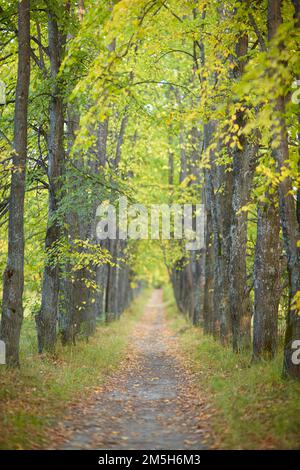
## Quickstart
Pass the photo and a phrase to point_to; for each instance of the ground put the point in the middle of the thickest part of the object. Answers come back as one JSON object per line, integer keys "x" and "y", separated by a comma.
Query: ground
{"x": 148, "y": 380}
{"x": 149, "y": 403}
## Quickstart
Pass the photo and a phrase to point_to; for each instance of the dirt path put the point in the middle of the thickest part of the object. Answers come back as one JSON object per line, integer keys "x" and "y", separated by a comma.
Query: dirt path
{"x": 147, "y": 404}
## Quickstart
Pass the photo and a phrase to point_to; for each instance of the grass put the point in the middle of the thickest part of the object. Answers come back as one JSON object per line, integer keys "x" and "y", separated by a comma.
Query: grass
{"x": 33, "y": 398}
{"x": 254, "y": 407}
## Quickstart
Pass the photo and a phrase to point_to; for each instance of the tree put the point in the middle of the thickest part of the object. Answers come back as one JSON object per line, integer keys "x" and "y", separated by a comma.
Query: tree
{"x": 267, "y": 281}
{"x": 288, "y": 214}
{"x": 46, "y": 320}
{"x": 13, "y": 280}
{"x": 244, "y": 162}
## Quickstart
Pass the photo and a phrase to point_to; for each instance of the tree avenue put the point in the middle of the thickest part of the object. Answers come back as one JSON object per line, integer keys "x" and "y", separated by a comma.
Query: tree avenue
{"x": 160, "y": 104}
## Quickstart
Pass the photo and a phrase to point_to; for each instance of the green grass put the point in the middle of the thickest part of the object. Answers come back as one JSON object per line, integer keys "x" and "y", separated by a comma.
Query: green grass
{"x": 33, "y": 398}
{"x": 254, "y": 407}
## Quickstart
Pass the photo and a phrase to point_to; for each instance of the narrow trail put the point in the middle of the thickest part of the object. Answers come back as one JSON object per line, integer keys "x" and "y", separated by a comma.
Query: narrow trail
{"x": 148, "y": 404}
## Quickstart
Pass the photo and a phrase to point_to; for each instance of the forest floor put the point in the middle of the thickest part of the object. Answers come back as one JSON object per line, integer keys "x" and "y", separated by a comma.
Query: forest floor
{"x": 149, "y": 403}
{"x": 36, "y": 396}
{"x": 147, "y": 381}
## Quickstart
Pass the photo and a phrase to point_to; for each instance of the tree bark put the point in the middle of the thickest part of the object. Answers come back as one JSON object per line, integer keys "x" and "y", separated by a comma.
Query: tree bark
{"x": 225, "y": 226}
{"x": 69, "y": 316}
{"x": 244, "y": 162}
{"x": 288, "y": 213}
{"x": 266, "y": 281}
{"x": 221, "y": 201}
{"x": 13, "y": 279}
{"x": 209, "y": 318}
{"x": 112, "y": 283}
{"x": 46, "y": 320}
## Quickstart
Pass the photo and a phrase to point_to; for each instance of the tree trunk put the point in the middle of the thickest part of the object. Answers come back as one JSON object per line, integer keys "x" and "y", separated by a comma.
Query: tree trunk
{"x": 196, "y": 262}
{"x": 244, "y": 162}
{"x": 111, "y": 290}
{"x": 221, "y": 215}
{"x": 69, "y": 316}
{"x": 239, "y": 292}
{"x": 13, "y": 280}
{"x": 288, "y": 214}
{"x": 266, "y": 281}
{"x": 216, "y": 244}
{"x": 208, "y": 308}
{"x": 46, "y": 320}
{"x": 209, "y": 314}
{"x": 225, "y": 206}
